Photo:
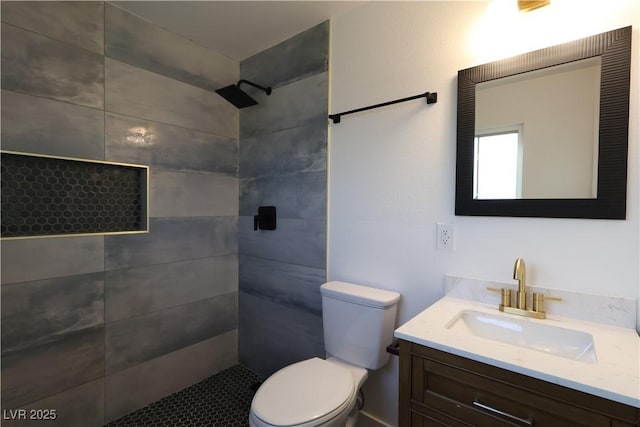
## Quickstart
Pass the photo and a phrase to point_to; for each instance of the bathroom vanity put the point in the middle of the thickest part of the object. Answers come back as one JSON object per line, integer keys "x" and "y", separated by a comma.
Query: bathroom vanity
{"x": 461, "y": 365}
{"x": 439, "y": 388}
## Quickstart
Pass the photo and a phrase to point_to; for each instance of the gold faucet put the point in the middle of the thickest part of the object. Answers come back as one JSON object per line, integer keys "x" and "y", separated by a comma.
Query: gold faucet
{"x": 520, "y": 274}
{"x": 537, "y": 309}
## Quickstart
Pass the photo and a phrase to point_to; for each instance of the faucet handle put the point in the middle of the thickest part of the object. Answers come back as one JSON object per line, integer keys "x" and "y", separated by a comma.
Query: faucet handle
{"x": 505, "y": 295}
{"x": 539, "y": 298}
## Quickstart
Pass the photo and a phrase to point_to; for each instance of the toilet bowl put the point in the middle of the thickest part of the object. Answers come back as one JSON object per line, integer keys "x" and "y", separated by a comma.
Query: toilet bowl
{"x": 314, "y": 392}
{"x": 358, "y": 325}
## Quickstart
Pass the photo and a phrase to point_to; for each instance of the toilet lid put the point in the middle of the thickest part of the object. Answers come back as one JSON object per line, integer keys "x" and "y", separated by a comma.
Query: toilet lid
{"x": 302, "y": 392}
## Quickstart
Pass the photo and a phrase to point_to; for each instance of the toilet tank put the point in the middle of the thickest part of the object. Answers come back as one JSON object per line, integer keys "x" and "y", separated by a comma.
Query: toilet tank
{"x": 358, "y": 322}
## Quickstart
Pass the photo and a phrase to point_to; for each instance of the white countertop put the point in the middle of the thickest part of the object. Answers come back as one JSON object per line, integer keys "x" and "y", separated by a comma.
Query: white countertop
{"x": 615, "y": 376}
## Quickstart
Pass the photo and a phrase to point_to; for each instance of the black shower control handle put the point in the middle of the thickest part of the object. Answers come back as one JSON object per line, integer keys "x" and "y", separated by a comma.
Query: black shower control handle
{"x": 266, "y": 218}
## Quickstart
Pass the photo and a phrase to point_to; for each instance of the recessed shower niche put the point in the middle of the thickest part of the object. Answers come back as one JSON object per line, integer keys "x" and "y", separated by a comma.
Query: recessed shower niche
{"x": 50, "y": 196}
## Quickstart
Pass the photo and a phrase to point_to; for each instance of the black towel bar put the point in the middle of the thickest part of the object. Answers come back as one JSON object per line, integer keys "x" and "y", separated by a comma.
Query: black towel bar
{"x": 432, "y": 98}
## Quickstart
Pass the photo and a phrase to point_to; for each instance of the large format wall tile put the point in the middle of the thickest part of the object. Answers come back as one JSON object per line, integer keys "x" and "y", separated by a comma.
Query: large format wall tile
{"x": 295, "y": 58}
{"x": 45, "y": 67}
{"x": 141, "y": 290}
{"x": 294, "y": 150}
{"x": 287, "y": 107}
{"x": 170, "y": 295}
{"x": 140, "y": 93}
{"x": 34, "y": 313}
{"x": 76, "y": 22}
{"x": 274, "y": 336}
{"x": 283, "y": 163}
{"x": 179, "y": 194}
{"x": 161, "y": 146}
{"x": 32, "y": 374}
{"x": 173, "y": 239}
{"x": 148, "y": 382}
{"x": 80, "y": 406}
{"x": 300, "y": 195}
{"x": 59, "y": 128}
{"x": 295, "y": 241}
{"x": 143, "y": 44}
{"x": 34, "y": 259}
{"x": 291, "y": 285}
{"x": 138, "y": 339}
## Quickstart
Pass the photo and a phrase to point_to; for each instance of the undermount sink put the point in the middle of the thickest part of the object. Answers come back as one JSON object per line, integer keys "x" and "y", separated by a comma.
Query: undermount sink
{"x": 567, "y": 343}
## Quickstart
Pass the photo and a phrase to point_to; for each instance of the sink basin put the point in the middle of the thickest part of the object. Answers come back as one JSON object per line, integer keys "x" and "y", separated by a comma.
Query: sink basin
{"x": 562, "y": 342}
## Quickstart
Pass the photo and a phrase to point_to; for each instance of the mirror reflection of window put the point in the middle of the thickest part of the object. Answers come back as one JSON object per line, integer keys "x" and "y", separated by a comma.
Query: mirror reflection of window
{"x": 560, "y": 108}
{"x": 498, "y": 164}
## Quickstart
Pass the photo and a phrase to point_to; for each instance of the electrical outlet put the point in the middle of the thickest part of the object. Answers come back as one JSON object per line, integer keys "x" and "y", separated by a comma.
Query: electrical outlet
{"x": 444, "y": 235}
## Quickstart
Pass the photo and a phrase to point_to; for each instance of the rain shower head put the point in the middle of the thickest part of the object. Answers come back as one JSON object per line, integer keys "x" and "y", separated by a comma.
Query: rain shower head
{"x": 238, "y": 97}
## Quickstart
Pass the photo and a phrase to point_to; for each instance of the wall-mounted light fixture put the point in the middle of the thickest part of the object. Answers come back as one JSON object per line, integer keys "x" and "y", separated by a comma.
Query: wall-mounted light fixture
{"x": 529, "y": 5}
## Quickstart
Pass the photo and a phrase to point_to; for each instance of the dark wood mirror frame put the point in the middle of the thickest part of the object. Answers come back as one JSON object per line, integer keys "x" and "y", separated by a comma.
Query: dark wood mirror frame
{"x": 614, "y": 48}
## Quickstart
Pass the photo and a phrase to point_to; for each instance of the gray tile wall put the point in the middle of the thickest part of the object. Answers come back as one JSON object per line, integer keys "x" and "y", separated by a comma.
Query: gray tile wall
{"x": 283, "y": 162}
{"x": 96, "y": 327}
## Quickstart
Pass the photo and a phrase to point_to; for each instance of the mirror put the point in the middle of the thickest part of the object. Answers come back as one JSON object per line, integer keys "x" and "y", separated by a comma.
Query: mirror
{"x": 545, "y": 134}
{"x": 514, "y": 134}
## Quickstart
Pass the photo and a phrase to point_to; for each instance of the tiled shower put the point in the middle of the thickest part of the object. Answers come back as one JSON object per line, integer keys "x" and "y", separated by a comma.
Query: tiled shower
{"x": 283, "y": 162}
{"x": 99, "y": 326}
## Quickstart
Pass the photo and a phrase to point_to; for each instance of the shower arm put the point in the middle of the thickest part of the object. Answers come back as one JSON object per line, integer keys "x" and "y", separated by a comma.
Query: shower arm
{"x": 266, "y": 90}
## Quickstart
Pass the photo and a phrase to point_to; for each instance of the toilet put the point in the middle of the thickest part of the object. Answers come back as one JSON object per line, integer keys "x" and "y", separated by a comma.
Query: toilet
{"x": 358, "y": 325}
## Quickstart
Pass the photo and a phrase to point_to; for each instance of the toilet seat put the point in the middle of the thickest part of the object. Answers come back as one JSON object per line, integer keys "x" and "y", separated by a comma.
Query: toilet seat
{"x": 306, "y": 393}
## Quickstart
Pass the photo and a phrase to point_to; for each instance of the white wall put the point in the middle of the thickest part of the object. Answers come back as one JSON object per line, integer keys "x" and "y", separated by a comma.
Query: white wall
{"x": 392, "y": 170}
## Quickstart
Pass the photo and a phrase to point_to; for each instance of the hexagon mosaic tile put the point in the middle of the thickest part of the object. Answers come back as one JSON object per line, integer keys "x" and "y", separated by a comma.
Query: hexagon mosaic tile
{"x": 47, "y": 196}
{"x": 222, "y": 400}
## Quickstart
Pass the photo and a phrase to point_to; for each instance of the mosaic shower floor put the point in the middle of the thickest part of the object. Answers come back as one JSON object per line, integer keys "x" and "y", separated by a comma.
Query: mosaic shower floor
{"x": 223, "y": 399}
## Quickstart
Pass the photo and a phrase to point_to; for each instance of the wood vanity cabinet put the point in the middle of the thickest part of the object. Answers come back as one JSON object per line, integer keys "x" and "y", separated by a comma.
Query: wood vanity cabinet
{"x": 442, "y": 389}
